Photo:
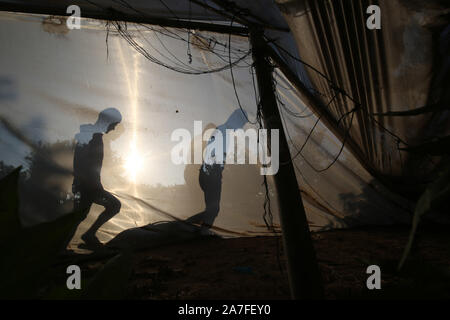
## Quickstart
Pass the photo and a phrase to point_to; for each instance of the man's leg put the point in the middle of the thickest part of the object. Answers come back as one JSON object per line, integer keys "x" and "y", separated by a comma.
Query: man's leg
{"x": 81, "y": 206}
{"x": 212, "y": 187}
{"x": 212, "y": 201}
{"x": 112, "y": 207}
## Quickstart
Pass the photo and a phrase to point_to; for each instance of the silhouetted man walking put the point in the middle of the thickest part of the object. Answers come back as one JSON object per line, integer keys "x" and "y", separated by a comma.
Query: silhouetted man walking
{"x": 210, "y": 174}
{"x": 87, "y": 165}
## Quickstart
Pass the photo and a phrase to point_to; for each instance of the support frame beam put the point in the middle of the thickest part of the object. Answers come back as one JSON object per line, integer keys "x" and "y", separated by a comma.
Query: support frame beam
{"x": 110, "y": 14}
{"x": 303, "y": 271}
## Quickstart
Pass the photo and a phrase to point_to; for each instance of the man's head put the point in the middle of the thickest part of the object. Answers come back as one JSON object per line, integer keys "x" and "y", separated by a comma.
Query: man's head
{"x": 108, "y": 119}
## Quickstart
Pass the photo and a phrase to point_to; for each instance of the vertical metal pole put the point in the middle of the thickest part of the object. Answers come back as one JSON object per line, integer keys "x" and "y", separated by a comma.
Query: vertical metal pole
{"x": 303, "y": 271}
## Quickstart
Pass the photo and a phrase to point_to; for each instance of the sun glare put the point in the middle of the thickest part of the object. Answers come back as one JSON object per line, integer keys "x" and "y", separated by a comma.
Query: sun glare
{"x": 133, "y": 165}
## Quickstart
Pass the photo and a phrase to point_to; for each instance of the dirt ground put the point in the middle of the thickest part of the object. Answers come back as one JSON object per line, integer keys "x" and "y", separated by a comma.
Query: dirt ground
{"x": 254, "y": 268}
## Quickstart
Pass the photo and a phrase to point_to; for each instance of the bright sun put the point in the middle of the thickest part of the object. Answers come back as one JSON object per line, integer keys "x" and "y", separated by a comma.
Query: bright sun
{"x": 133, "y": 165}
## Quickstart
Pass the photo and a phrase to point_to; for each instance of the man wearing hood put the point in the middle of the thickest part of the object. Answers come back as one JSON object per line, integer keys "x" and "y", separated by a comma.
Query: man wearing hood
{"x": 87, "y": 165}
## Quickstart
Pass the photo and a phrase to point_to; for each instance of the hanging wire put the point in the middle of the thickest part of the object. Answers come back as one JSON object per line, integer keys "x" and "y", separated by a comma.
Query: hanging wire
{"x": 347, "y": 132}
{"x": 121, "y": 28}
{"x": 337, "y": 89}
{"x": 174, "y": 35}
{"x": 298, "y": 169}
{"x": 290, "y": 112}
{"x": 398, "y": 140}
{"x": 307, "y": 138}
{"x": 122, "y": 31}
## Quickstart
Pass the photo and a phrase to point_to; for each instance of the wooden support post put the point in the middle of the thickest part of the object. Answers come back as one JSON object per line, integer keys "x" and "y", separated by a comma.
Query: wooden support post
{"x": 304, "y": 275}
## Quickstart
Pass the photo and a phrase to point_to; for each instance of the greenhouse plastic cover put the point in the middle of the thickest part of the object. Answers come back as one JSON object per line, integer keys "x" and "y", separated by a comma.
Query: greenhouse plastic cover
{"x": 54, "y": 80}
